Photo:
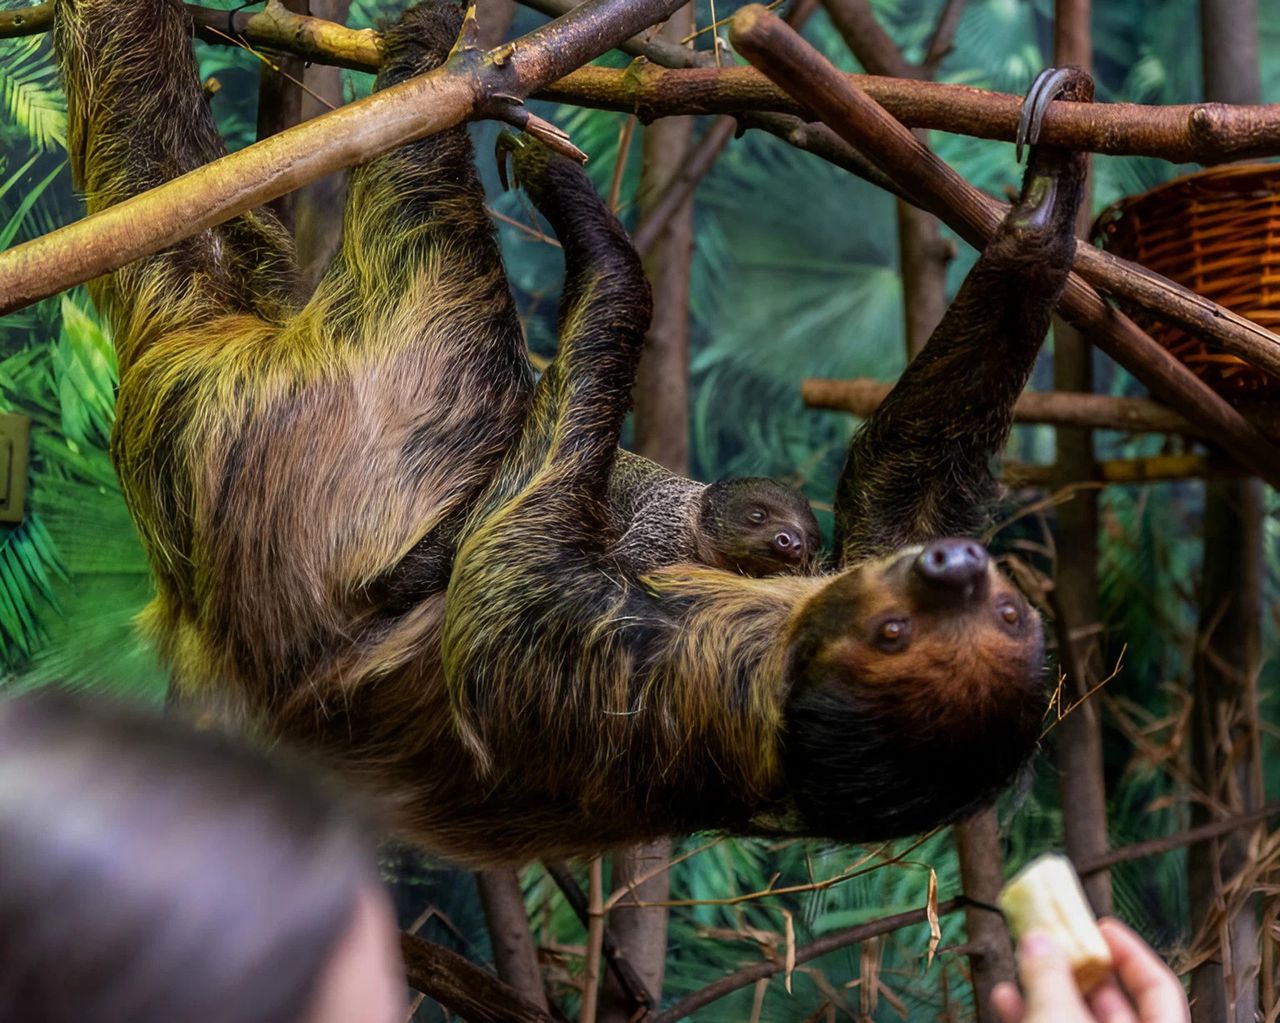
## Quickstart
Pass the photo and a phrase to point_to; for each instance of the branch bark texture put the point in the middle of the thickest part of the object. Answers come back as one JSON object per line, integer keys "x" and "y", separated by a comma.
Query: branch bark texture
{"x": 462, "y": 987}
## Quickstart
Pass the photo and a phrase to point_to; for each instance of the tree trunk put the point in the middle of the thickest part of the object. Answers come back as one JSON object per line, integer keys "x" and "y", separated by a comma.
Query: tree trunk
{"x": 978, "y": 840}
{"x": 514, "y": 954}
{"x": 1224, "y": 741}
{"x": 662, "y": 382}
{"x": 661, "y": 433}
{"x": 318, "y": 206}
{"x": 1082, "y": 781}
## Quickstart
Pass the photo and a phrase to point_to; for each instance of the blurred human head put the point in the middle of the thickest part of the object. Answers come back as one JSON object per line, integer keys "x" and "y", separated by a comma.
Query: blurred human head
{"x": 151, "y": 872}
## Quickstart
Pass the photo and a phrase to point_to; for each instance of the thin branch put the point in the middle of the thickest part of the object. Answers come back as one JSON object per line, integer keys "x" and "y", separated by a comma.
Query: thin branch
{"x": 943, "y": 38}
{"x": 1155, "y": 846}
{"x": 646, "y": 44}
{"x": 468, "y": 85}
{"x": 595, "y": 938}
{"x": 867, "y": 40}
{"x": 861, "y": 397}
{"x": 700, "y": 161}
{"x": 885, "y": 925}
{"x": 462, "y": 987}
{"x": 823, "y": 946}
{"x": 1120, "y": 471}
{"x": 789, "y": 60}
{"x": 618, "y": 964}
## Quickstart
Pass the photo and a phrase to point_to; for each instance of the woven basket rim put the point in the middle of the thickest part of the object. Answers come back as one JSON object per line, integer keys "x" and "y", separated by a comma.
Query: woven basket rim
{"x": 1230, "y": 170}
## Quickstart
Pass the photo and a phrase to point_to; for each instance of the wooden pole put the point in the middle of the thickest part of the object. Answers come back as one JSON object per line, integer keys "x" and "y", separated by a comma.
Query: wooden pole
{"x": 861, "y": 397}
{"x": 1074, "y": 598}
{"x": 1224, "y": 739}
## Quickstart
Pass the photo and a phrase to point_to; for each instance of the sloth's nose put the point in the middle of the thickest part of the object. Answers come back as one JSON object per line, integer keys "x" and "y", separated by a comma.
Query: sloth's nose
{"x": 789, "y": 544}
{"x": 952, "y": 564}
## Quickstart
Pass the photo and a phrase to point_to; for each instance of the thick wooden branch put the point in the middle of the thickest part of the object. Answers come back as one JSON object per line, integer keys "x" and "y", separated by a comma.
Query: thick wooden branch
{"x": 861, "y": 397}
{"x": 1124, "y": 471}
{"x": 854, "y": 116}
{"x": 462, "y": 987}
{"x": 470, "y": 84}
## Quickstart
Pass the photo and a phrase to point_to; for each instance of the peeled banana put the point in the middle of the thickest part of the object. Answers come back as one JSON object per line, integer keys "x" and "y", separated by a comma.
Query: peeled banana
{"x": 1046, "y": 896}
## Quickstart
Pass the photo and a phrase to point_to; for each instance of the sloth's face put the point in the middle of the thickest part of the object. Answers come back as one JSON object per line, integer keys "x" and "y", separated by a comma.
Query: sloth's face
{"x": 760, "y": 527}
{"x": 918, "y": 692}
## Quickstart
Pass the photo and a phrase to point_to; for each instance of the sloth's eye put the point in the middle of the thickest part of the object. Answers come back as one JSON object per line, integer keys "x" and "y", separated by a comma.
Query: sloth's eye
{"x": 756, "y": 515}
{"x": 1009, "y": 614}
{"x": 892, "y": 635}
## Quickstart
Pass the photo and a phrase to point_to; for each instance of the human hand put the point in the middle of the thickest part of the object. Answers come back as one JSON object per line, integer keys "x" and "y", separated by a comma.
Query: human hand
{"x": 1142, "y": 989}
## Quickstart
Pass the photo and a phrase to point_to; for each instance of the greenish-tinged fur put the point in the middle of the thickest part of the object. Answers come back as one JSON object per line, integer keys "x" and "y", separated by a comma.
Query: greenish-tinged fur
{"x": 375, "y": 537}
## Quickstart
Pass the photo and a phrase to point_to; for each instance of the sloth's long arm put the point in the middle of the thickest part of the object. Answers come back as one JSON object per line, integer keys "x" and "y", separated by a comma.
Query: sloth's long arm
{"x": 921, "y": 466}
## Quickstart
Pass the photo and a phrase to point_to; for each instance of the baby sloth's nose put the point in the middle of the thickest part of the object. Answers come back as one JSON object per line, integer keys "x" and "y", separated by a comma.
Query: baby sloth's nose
{"x": 789, "y": 544}
{"x": 952, "y": 564}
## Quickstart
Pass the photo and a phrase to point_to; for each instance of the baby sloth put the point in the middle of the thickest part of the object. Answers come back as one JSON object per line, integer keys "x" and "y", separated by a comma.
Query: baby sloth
{"x": 753, "y": 526}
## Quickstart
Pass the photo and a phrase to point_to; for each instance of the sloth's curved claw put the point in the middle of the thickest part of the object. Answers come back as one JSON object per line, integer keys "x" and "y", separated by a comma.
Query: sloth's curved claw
{"x": 507, "y": 144}
{"x": 1046, "y": 87}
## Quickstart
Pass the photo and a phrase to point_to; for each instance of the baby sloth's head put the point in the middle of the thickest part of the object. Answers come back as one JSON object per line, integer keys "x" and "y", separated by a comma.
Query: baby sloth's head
{"x": 758, "y": 527}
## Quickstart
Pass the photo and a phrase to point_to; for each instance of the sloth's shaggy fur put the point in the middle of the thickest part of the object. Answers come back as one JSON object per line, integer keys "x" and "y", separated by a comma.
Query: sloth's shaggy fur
{"x": 371, "y": 532}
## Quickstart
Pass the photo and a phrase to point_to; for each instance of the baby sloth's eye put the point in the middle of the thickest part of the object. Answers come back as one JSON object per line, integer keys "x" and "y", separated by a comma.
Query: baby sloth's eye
{"x": 1009, "y": 614}
{"x": 892, "y": 635}
{"x": 756, "y": 515}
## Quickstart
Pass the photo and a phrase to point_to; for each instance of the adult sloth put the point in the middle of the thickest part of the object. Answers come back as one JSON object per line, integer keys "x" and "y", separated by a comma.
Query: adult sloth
{"x": 308, "y": 478}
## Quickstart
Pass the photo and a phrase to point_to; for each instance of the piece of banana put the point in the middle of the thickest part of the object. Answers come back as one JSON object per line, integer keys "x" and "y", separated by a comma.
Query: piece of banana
{"x": 1046, "y": 896}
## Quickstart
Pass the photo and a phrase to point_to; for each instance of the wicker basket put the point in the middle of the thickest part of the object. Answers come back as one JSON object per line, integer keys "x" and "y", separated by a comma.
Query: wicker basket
{"x": 1218, "y": 233}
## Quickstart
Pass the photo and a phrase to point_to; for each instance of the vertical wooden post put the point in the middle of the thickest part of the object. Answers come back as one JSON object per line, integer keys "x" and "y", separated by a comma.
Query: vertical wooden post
{"x": 1224, "y": 740}
{"x": 514, "y": 954}
{"x": 1082, "y": 781}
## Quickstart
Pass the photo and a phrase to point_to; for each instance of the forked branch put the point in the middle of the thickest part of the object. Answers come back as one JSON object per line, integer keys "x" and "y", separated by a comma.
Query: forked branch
{"x": 470, "y": 84}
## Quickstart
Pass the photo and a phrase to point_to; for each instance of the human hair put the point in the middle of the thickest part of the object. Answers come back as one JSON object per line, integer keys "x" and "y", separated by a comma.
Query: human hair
{"x": 150, "y": 872}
